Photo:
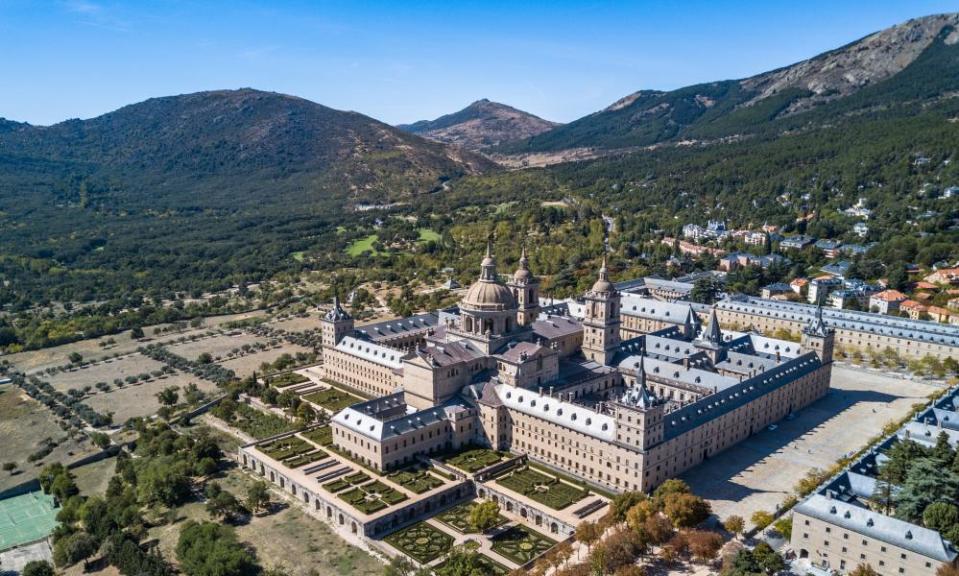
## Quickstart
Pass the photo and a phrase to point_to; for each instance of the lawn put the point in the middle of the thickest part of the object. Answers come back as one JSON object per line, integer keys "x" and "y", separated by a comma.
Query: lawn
{"x": 542, "y": 488}
{"x": 458, "y": 518}
{"x": 322, "y": 435}
{"x": 362, "y": 245}
{"x": 332, "y": 399}
{"x": 428, "y": 235}
{"x": 421, "y": 542}
{"x": 474, "y": 459}
{"x": 521, "y": 544}
{"x": 287, "y": 379}
{"x": 415, "y": 480}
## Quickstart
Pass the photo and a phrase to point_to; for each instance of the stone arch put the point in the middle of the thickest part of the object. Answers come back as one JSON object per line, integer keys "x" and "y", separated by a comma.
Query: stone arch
{"x": 554, "y": 528}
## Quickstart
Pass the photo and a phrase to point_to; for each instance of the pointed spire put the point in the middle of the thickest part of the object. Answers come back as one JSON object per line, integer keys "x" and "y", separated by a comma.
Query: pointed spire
{"x": 488, "y": 266}
{"x": 522, "y": 274}
{"x": 715, "y": 334}
{"x": 818, "y": 326}
{"x": 337, "y": 312}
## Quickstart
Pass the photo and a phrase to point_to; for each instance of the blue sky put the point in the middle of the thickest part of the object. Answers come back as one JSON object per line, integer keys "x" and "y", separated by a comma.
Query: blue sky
{"x": 402, "y": 61}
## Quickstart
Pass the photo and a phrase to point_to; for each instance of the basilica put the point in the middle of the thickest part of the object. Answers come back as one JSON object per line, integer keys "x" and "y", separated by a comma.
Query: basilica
{"x": 616, "y": 389}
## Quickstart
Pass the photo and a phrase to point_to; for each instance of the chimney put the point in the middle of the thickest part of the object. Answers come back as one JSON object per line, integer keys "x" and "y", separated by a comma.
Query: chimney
{"x": 540, "y": 390}
{"x": 550, "y": 391}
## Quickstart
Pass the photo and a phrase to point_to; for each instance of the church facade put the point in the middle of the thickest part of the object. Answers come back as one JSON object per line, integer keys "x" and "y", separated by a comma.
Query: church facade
{"x": 623, "y": 408}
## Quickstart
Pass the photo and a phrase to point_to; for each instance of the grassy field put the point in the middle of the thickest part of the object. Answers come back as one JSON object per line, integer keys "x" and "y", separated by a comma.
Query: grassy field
{"x": 287, "y": 538}
{"x": 297, "y": 323}
{"x": 428, "y": 235}
{"x": 25, "y": 425}
{"x": 92, "y": 479}
{"x": 365, "y": 244}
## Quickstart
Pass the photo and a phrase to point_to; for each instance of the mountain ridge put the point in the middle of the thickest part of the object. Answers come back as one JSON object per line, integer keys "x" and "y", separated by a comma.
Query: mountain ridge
{"x": 732, "y": 108}
{"x": 480, "y": 125}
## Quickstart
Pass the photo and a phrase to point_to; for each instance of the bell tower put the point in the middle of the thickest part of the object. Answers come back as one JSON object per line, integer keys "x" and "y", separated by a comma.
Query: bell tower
{"x": 525, "y": 287}
{"x": 601, "y": 319}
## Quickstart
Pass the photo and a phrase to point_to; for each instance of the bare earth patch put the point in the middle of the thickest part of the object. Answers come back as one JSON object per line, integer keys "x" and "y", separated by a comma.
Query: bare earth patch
{"x": 24, "y": 425}
{"x": 140, "y": 399}
{"x": 246, "y": 365}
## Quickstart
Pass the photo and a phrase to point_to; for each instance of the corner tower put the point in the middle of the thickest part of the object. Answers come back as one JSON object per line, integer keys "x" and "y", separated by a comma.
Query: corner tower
{"x": 819, "y": 338}
{"x": 601, "y": 319}
{"x": 525, "y": 287}
{"x": 335, "y": 324}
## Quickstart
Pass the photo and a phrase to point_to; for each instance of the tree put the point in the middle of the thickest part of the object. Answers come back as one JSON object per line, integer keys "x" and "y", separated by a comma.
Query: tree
{"x": 137, "y": 333}
{"x": 622, "y": 503}
{"x": 735, "y": 525}
{"x": 784, "y": 526}
{"x": 399, "y": 566}
{"x": 686, "y": 510}
{"x": 587, "y": 533}
{"x": 484, "y": 515}
{"x": 208, "y": 549}
{"x": 704, "y": 545}
{"x": 222, "y": 503}
{"x": 72, "y": 548}
{"x": 768, "y": 560}
{"x": 258, "y": 496}
{"x": 169, "y": 395}
{"x": 37, "y": 568}
{"x": 940, "y": 516}
{"x": 926, "y": 482}
{"x": 947, "y": 570}
{"x": 462, "y": 562}
{"x": 657, "y": 529}
{"x": 637, "y": 515}
{"x": 75, "y": 357}
{"x": 705, "y": 290}
{"x": 761, "y": 519}
{"x": 863, "y": 570}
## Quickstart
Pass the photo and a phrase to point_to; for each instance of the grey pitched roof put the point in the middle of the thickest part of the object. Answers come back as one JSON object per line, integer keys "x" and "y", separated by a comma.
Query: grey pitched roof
{"x": 875, "y": 525}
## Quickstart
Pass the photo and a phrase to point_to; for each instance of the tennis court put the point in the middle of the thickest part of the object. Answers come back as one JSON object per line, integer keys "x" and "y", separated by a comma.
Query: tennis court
{"x": 26, "y": 518}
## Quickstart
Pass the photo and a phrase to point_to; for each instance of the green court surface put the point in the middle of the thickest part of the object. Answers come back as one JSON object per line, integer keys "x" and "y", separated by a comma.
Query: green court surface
{"x": 26, "y": 518}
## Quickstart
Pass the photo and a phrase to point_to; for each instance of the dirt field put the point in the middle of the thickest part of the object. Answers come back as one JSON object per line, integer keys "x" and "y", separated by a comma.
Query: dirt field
{"x": 761, "y": 471}
{"x": 312, "y": 321}
{"x": 24, "y": 425}
{"x": 286, "y": 538}
{"x": 140, "y": 400}
{"x": 247, "y": 364}
{"x": 216, "y": 346}
{"x": 106, "y": 371}
{"x": 58, "y": 355}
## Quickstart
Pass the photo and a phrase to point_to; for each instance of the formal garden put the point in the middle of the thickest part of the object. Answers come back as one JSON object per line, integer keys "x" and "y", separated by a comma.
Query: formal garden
{"x": 416, "y": 479}
{"x": 292, "y": 451}
{"x": 421, "y": 542}
{"x": 542, "y": 488}
{"x": 332, "y": 399}
{"x": 474, "y": 459}
{"x": 458, "y": 518}
{"x": 521, "y": 544}
{"x": 367, "y": 497}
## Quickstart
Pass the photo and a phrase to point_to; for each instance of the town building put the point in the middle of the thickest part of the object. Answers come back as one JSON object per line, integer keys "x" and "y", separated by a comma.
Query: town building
{"x": 887, "y": 301}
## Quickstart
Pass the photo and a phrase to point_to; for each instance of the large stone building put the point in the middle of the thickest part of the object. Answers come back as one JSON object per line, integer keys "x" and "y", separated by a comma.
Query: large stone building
{"x": 863, "y": 331}
{"x": 619, "y": 403}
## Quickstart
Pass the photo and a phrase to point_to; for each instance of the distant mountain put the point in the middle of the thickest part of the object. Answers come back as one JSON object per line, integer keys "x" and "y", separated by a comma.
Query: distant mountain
{"x": 480, "y": 125}
{"x": 197, "y": 192}
{"x": 914, "y": 61}
{"x": 248, "y": 135}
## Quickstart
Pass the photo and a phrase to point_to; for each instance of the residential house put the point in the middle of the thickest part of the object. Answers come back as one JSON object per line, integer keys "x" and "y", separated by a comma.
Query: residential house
{"x": 829, "y": 248}
{"x": 798, "y": 285}
{"x": 796, "y": 242}
{"x": 943, "y": 276}
{"x": 861, "y": 229}
{"x": 938, "y": 314}
{"x": 820, "y": 287}
{"x": 887, "y": 301}
{"x": 913, "y": 308}
{"x": 776, "y": 289}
